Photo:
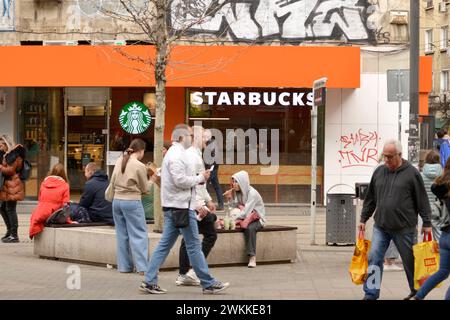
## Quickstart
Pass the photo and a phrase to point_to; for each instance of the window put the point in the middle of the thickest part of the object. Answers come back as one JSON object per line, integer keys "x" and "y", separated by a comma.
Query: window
{"x": 429, "y": 40}
{"x": 444, "y": 80}
{"x": 444, "y": 37}
{"x": 429, "y": 4}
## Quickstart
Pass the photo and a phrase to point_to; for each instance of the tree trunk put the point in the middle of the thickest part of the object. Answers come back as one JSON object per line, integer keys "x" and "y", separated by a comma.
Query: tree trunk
{"x": 162, "y": 53}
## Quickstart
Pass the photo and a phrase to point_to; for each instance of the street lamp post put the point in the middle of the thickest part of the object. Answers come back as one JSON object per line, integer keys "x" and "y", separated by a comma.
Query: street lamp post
{"x": 319, "y": 93}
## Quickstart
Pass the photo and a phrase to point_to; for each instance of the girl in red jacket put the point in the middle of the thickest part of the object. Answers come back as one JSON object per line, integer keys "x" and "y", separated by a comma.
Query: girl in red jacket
{"x": 54, "y": 193}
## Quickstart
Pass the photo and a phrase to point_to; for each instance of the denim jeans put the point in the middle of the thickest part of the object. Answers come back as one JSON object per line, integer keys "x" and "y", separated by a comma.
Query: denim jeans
{"x": 193, "y": 246}
{"x": 214, "y": 180}
{"x": 380, "y": 243}
{"x": 444, "y": 268}
{"x": 131, "y": 235}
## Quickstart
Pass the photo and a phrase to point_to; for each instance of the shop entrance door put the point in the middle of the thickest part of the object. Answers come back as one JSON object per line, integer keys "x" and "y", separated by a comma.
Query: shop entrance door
{"x": 86, "y": 133}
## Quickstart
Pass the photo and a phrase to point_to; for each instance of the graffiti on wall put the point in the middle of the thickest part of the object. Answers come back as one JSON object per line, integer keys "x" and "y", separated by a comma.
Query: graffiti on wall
{"x": 7, "y": 15}
{"x": 359, "y": 149}
{"x": 293, "y": 20}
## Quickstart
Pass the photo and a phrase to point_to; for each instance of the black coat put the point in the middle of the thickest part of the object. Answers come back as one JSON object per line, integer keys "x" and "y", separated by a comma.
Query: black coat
{"x": 93, "y": 198}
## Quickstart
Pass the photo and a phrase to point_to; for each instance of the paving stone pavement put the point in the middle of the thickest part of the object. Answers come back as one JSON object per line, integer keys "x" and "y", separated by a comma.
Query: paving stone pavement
{"x": 320, "y": 272}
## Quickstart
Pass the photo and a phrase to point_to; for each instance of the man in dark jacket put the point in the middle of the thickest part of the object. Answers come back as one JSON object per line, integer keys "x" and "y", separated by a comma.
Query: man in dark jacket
{"x": 398, "y": 195}
{"x": 93, "y": 200}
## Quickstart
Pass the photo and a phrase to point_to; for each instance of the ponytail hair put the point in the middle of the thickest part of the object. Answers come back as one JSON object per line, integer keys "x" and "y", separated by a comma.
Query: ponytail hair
{"x": 135, "y": 146}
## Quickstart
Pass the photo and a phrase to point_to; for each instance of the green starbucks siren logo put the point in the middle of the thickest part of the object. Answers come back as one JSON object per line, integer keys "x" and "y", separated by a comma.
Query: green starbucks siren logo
{"x": 135, "y": 118}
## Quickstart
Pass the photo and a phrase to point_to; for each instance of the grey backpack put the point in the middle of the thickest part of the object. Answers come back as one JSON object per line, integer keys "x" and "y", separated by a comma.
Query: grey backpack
{"x": 440, "y": 216}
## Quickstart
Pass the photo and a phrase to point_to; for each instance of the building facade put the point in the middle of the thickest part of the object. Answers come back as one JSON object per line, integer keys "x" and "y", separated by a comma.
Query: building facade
{"x": 64, "y": 91}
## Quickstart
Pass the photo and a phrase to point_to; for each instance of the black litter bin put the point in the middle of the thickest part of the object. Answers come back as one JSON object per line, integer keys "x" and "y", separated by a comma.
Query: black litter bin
{"x": 340, "y": 218}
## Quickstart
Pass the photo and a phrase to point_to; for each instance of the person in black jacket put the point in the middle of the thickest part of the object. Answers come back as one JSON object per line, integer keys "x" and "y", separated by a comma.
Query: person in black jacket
{"x": 93, "y": 206}
{"x": 397, "y": 193}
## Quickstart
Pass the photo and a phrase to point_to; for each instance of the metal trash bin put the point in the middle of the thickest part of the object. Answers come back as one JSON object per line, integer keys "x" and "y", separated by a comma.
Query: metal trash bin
{"x": 340, "y": 218}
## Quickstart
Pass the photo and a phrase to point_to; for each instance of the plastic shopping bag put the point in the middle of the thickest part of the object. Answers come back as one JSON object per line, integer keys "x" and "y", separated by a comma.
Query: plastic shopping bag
{"x": 360, "y": 263}
{"x": 426, "y": 260}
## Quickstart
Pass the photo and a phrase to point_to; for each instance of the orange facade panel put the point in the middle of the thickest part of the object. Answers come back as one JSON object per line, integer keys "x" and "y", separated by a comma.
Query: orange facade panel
{"x": 190, "y": 66}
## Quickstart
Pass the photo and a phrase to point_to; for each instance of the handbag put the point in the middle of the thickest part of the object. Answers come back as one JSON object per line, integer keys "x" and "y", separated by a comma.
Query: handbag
{"x": 109, "y": 192}
{"x": 254, "y": 216}
{"x": 181, "y": 216}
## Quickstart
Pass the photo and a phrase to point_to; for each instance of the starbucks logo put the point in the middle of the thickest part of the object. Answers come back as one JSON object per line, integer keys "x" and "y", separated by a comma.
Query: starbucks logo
{"x": 135, "y": 118}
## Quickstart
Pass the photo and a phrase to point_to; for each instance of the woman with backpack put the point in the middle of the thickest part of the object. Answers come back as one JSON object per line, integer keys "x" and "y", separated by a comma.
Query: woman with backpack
{"x": 440, "y": 189}
{"x": 430, "y": 171}
{"x": 11, "y": 189}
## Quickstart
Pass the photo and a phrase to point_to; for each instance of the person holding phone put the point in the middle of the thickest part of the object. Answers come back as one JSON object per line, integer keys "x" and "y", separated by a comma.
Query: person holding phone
{"x": 205, "y": 208}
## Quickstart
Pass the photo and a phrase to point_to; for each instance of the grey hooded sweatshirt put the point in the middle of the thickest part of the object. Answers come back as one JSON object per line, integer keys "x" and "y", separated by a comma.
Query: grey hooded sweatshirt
{"x": 398, "y": 197}
{"x": 429, "y": 173}
{"x": 249, "y": 197}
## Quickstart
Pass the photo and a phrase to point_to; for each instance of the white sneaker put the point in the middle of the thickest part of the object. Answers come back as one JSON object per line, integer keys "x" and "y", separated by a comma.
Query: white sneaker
{"x": 191, "y": 274}
{"x": 392, "y": 267}
{"x": 252, "y": 262}
{"x": 184, "y": 280}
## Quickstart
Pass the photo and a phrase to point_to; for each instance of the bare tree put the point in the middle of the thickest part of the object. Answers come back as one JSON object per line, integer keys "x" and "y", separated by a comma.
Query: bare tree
{"x": 163, "y": 31}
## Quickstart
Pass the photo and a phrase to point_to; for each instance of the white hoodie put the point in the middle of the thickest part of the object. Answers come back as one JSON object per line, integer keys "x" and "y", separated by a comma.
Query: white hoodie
{"x": 249, "y": 197}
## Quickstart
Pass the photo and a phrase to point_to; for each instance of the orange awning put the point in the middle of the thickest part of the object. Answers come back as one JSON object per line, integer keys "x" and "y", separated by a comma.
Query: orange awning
{"x": 190, "y": 66}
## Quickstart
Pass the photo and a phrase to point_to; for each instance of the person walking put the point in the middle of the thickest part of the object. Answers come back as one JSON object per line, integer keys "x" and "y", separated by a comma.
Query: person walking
{"x": 431, "y": 170}
{"x": 178, "y": 180}
{"x": 214, "y": 179}
{"x": 130, "y": 181}
{"x": 441, "y": 190}
{"x": 205, "y": 209}
{"x": 12, "y": 189}
{"x": 397, "y": 193}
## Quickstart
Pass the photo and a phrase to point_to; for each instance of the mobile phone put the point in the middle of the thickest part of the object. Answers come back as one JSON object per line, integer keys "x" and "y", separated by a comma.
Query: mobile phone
{"x": 212, "y": 168}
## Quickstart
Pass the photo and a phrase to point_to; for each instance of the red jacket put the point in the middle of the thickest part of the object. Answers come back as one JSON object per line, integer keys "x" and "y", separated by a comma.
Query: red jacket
{"x": 53, "y": 194}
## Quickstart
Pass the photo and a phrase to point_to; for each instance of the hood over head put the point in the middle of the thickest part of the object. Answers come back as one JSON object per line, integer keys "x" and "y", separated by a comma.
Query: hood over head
{"x": 243, "y": 180}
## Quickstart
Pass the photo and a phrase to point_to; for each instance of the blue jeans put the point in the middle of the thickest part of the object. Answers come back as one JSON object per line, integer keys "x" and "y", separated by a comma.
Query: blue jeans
{"x": 131, "y": 235}
{"x": 193, "y": 246}
{"x": 379, "y": 246}
{"x": 444, "y": 268}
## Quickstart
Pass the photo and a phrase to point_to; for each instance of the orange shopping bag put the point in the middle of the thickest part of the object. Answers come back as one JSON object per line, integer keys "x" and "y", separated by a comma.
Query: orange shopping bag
{"x": 360, "y": 263}
{"x": 426, "y": 260}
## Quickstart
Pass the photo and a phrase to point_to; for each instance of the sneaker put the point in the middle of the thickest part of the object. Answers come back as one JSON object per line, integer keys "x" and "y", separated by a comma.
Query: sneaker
{"x": 191, "y": 274}
{"x": 392, "y": 267}
{"x": 252, "y": 262}
{"x": 7, "y": 235}
{"x": 185, "y": 280}
{"x": 11, "y": 239}
{"x": 410, "y": 295}
{"x": 216, "y": 288}
{"x": 151, "y": 288}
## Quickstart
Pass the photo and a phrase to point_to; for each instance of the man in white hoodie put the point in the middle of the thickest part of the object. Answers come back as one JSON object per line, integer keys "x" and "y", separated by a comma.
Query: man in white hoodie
{"x": 205, "y": 208}
{"x": 178, "y": 181}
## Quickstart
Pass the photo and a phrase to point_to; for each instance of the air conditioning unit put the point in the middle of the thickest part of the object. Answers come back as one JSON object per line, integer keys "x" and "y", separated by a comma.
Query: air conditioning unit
{"x": 60, "y": 43}
{"x": 442, "y": 6}
{"x": 108, "y": 42}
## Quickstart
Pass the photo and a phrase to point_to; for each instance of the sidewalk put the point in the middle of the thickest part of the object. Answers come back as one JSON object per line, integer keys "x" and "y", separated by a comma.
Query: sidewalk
{"x": 319, "y": 273}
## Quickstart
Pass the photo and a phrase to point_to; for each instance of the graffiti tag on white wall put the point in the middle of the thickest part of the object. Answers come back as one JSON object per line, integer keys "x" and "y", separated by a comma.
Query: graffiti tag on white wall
{"x": 7, "y": 15}
{"x": 295, "y": 20}
{"x": 359, "y": 149}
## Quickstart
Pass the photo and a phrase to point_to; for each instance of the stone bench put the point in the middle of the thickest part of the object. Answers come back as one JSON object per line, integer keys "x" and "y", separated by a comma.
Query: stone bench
{"x": 97, "y": 245}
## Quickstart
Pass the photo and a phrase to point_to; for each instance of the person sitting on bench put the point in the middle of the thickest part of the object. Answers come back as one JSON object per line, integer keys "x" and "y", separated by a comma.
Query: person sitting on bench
{"x": 93, "y": 207}
{"x": 249, "y": 203}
